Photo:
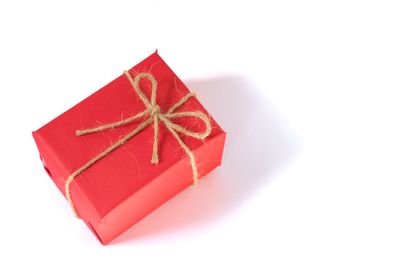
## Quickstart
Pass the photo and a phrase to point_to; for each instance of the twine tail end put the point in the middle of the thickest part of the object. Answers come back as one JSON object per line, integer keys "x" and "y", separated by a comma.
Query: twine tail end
{"x": 154, "y": 159}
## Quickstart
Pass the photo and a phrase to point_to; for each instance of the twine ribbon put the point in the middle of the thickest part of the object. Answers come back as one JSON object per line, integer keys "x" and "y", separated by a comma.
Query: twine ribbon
{"x": 153, "y": 116}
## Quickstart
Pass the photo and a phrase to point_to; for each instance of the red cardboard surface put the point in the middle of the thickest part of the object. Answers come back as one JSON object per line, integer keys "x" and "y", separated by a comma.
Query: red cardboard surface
{"x": 123, "y": 187}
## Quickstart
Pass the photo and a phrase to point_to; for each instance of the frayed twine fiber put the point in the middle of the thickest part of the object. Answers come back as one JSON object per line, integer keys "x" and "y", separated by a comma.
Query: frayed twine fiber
{"x": 154, "y": 115}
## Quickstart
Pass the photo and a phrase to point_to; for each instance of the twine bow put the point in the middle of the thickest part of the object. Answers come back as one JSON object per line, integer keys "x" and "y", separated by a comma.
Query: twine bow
{"x": 155, "y": 116}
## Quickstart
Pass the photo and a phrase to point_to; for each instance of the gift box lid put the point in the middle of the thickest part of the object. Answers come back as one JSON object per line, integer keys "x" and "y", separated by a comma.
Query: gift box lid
{"x": 127, "y": 169}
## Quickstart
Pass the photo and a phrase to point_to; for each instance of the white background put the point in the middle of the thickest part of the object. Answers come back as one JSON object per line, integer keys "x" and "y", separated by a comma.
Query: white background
{"x": 308, "y": 92}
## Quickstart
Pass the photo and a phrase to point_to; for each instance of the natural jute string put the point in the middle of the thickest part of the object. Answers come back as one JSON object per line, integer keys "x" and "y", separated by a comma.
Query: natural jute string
{"x": 154, "y": 115}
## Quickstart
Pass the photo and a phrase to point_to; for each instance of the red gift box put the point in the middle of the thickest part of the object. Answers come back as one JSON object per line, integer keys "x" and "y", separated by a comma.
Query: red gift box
{"x": 122, "y": 187}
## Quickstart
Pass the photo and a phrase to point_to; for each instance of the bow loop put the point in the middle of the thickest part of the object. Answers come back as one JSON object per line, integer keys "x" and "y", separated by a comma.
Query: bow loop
{"x": 136, "y": 86}
{"x": 198, "y": 135}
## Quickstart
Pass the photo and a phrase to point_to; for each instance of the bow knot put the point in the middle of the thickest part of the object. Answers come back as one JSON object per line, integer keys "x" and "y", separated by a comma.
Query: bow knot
{"x": 154, "y": 116}
{"x": 155, "y": 110}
